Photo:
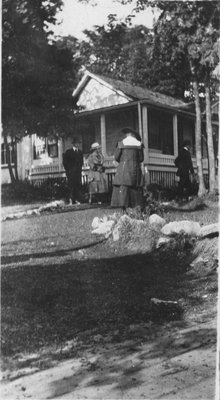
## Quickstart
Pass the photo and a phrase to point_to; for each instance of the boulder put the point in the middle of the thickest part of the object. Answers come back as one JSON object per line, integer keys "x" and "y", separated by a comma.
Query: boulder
{"x": 209, "y": 230}
{"x": 177, "y": 227}
{"x": 162, "y": 241}
{"x": 130, "y": 224}
{"x": 156, "y": 221}
{"x": 52, "y": 205}
{"x": 104, "y": 228}
{"x": 96, "y": 222}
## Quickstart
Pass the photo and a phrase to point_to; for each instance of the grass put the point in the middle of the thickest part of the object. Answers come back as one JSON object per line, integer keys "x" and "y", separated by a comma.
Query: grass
{"x": 52, "y": 293}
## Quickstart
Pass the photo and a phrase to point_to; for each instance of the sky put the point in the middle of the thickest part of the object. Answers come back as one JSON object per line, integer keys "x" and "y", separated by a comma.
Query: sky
{"x": 76, "y": 16}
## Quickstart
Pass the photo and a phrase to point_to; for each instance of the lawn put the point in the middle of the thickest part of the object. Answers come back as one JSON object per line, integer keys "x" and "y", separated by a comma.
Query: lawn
{"x": 59, "y": 286}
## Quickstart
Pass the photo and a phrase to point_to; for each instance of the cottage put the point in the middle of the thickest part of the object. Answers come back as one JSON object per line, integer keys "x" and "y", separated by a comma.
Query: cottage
{"x": 103, "y": 107}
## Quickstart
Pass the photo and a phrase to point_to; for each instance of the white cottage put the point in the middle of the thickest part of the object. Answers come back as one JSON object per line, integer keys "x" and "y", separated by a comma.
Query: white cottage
{"x": 104, "y": 106}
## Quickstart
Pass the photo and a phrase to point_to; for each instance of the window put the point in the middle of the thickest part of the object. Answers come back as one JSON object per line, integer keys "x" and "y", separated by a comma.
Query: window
{"x": 4, "y": 158}
{"x": 160, "y": 128}
{"x": 52, "y": 148}
{"x": 44, "y": 147}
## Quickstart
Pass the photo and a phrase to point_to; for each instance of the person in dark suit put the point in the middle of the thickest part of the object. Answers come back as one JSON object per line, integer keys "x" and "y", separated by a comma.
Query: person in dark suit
{"x": 128, "y": 181}
{"x": 184, "y": 167}
{"x": 73, "y": 162}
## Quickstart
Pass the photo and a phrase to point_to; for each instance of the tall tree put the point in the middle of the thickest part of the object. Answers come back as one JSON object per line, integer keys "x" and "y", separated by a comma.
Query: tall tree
{"x": 185, "y": 51}
{"x": 119, "y": 51}
{"x": 37, "y": 73}
{"x": 186, "y": 34}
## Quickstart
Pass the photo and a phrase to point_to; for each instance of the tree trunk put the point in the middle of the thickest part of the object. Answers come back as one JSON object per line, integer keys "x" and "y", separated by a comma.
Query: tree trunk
{"x": 211, "y": 156}
{"x": 15, "y": 159}
{"x": 198, "y": 138}
{"x": 11, "y": 173}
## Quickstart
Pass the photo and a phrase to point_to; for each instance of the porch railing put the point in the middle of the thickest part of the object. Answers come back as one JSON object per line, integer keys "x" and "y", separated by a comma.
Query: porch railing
{"x": 161, "y": 170}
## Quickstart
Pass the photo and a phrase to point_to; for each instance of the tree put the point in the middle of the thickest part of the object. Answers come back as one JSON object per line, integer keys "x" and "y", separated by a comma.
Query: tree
{"x": 189, "y": 31}
{"x": 37, "y": 73}
{"x": 119, "y": 51}
{"x": 185, "y": 52}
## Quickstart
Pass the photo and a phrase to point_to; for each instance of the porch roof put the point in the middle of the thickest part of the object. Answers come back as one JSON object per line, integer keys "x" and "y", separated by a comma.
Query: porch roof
{"x": 135, "y": 93}
{"x": 131, "y": 104}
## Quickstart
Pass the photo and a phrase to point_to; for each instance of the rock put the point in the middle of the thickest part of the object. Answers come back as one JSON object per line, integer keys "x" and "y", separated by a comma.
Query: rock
{"x": 162, "y": 241}
{"x": 198, "y": 260}
{"x": 105, "y": 228}
{"x": 51, "y": 205}
{"x": 156, "y": 221}
{"x": 130, "y": 224}
{"x": 165, "y": 302}
{"x": 96, "y": 222}
{"x": 165, "y": 310}
{"x": 177, "y": 227}
{"x": 116, "y": 233}
{"x": 209, "y": 230}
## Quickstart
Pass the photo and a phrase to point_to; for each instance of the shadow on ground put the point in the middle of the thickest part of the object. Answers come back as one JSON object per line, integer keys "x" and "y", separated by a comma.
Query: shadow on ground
{"x": 98, "y": 312}
{"x": 49, "y": 304}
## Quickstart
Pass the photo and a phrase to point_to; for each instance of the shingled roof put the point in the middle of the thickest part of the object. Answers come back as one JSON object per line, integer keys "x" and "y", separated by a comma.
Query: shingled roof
{"x": 134, "y": 92}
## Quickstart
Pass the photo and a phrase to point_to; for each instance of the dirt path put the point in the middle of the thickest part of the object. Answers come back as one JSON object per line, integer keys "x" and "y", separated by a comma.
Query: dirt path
{"x": 180, "y": 364}
{"x": 77, "y": 323}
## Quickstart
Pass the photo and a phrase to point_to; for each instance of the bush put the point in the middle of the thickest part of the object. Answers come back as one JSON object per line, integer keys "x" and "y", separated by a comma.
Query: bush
{"x": 53, "y": 188}
{"x": 153, "y": 206}
{"x": 19, "y": 192}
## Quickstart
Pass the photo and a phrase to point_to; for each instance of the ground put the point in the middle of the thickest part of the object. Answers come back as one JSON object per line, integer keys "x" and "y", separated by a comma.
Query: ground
{"x": 77, "y": 316}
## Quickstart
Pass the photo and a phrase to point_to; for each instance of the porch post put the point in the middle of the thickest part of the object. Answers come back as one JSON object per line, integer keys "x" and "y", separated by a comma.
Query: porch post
{"x": 60, "y": 154}
{"x": 175, "y": 135}
{"x": 103, "y": 134}
{"x": 145, "y": 134}
{"x": 145, "y": 142}
{"x": 31, "y": 152}
{"x": 140, "y": 121}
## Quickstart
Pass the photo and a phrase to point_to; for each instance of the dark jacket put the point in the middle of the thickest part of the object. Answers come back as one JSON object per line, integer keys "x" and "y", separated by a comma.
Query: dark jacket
{"x": 184, "y": 163}
{"x": 73, "y": 160}
{"x": 129, "y": 169}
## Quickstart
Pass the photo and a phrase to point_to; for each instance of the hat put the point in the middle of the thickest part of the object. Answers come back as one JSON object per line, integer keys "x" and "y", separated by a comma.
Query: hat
{"x": 95, "y": 145}
{"x": 186, "y": 143}
{"x": 75, "y": 140}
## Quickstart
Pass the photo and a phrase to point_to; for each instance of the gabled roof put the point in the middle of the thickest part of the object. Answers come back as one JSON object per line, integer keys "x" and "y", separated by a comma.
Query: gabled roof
{"x": 133, "y": 93}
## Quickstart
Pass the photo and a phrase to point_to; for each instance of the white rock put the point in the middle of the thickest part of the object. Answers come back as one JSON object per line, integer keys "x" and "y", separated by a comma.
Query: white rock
{"x": 123, "y": 220}
{"x": 96, "y": 222}
{"x": 198, "y": 260}
{"x": 116, "y": 233}
{"x": 19, "y": 215}
{"x": 158, "y": 301}
{"x": 176, "y": 227}
{"x": 209, "y": 230}
{"x": 162, "y": 241}
{"x": 104, "y": 228}
{"x": 156, "y": 221}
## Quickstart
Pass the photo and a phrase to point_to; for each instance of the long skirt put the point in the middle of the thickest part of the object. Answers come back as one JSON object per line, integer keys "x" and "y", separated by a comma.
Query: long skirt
{"x": 98, "y": 184}
{"x": 127, "y": 196}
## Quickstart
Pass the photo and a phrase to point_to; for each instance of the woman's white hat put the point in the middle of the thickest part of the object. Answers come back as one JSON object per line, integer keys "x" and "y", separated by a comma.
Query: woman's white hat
{"x": 95, "y": 145}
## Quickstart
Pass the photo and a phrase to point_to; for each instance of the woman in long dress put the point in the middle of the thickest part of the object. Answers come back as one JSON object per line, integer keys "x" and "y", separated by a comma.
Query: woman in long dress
{"x": 128, "y": 181}
{"x": 96, "y": 175}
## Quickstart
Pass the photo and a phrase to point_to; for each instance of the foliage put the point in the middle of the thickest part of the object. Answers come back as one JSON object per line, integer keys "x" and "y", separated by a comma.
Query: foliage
{"x": 24, "y": 192}
{"x": 37, "y": 74}
{"x": 119, "y": 51}
{"x": 153, "y": 206}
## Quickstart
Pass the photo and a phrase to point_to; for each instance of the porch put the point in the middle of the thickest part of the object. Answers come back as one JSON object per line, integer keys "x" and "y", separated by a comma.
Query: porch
{"x": 160, "y": 170}
{"x": 162, "y": 132}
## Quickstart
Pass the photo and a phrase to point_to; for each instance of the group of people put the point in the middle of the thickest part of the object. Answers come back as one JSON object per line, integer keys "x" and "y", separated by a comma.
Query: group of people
{"x": 129, "y": 180}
